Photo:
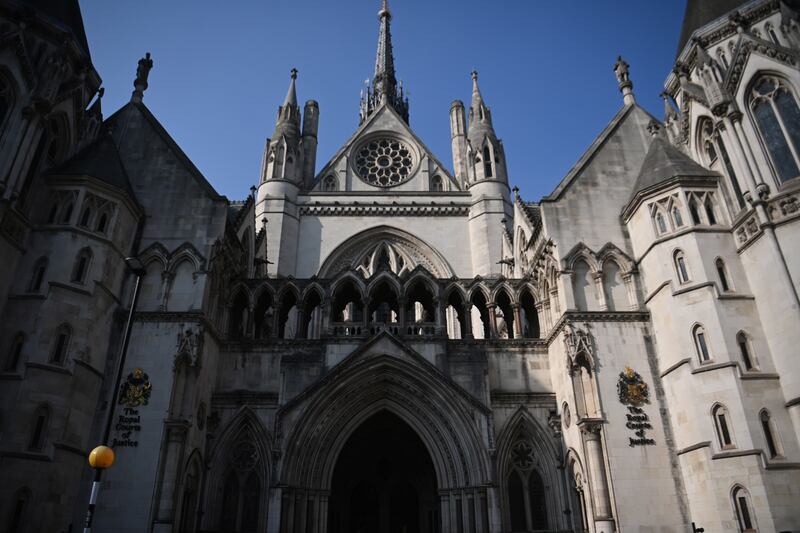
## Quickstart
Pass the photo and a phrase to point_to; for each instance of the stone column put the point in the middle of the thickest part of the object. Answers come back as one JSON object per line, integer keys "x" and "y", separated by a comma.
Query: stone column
{"x": 467, "y": 308}
{"x": 401, "y": 315}
{"x": 517, "y": 321}
{"x": 170, "y": 466}
{"x": 600, "y": 290}
{"x": 593, "y": 446}
{"x": 441, "y": 316}
{"x": 492, "y": 320}
{"x": 630, "y": 287}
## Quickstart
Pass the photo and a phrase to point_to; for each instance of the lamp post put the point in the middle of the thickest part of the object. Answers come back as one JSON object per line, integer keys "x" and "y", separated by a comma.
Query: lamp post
{"x": 102, "y": 456}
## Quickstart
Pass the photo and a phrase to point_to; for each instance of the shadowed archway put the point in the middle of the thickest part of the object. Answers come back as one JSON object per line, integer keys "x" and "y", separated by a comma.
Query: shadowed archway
{"x": 384, "y": 481}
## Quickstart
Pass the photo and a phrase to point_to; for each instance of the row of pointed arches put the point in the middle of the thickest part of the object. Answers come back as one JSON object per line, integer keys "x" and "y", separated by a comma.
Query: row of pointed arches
{"x": 350, "y": 305}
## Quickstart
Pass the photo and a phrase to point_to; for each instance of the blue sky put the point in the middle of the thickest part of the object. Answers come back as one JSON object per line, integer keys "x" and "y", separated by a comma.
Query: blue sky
{"x": 221, "y": 69}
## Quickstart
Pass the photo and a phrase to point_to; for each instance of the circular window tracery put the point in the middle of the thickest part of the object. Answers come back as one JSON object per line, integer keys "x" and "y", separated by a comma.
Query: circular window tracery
{"x": 384, "y": 162}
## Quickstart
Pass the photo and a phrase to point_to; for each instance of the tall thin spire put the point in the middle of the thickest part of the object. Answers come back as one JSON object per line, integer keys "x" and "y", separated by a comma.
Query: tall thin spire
{"x": 480, "y": 116}
{"x": 385, "y": 89}
{"x": 288, "y": 122}
{"x": 291, "y": 94}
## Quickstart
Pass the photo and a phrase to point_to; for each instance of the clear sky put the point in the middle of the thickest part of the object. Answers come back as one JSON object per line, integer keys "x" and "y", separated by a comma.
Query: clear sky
{"x": 221, "y": 69}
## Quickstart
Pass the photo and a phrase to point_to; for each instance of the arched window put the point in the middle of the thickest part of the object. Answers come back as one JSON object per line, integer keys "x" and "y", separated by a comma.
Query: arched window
{"x": 37, "y": 277}
{"x": 714, "y": 149}
{"x": 745, "y": 350}
{"x": 584, "y": 287}
{"x": 526, "y": 494}
{"x": 86, "y": 216}
{"x": 722, "y": 424}
{"x": 241, "y": 492}
{"x": 39, "y": 428}
{"x": 61, "y": 344}
{"x": 770, "y": 434}
{"x": 677, "y": 218}
{"x": 6, "y": 100}
{"x": 701, "y": 344}
{"x": 329, "y": 184}
{"x": 102, "y": 223}
{"x": 775, "y": 109}
{"x": 51, "y": 215}
{"x": 693, "y": 211}
{"x": 680, "y": 267}
{"x": 22, "y": 501}
{"x": 614, "y": 287}
{"x": 487, "y": 162}
{"x": 661, "y": 223}
{"x": 14, "y": 353}
{"x": 81, "y": 268}
{"x": 66, "y": 213}
{"x": 743, "y": 510}
{"x": 436, "y": 184}
{"x": 710, "y": 214}
{"x": 722, "y": 274}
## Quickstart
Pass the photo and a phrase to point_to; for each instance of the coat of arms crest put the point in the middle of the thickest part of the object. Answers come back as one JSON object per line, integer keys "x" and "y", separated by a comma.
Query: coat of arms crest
{"x": 632, "y": 389}
{"x": 136, "y": 389}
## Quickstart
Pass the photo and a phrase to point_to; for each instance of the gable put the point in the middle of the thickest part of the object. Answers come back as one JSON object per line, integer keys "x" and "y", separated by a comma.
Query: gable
{"x": 389, "y": 156}
{"x": 181, "y": 205}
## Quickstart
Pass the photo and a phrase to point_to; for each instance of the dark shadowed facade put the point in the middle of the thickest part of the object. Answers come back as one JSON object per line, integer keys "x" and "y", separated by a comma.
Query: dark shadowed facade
{"x": 380, "y": 343}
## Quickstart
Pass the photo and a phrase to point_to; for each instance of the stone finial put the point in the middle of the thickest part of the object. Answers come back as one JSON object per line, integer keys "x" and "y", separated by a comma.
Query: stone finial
{"x": 384, "y": 12}
{"x": 515, "y": 190}
{"x": 142, "y": 73}
{"x": 669, "y": 110}
{"x": 622, "y": 72}
{"x": 654, "y": 128}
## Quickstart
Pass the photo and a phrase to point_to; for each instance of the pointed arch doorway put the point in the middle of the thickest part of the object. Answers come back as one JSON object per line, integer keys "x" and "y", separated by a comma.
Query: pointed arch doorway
{"x": 384, "y": 481}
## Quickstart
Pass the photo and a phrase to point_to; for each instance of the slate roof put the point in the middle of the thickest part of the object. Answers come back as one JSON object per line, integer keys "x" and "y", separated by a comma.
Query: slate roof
{"x": 664, "y": 162}
{"x": 65, "y": 14}
{"x": 699, "y": 13}
{"x": 99, "y": 160}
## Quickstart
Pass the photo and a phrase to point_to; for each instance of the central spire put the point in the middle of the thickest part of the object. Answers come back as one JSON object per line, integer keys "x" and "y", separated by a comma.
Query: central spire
{"x": 384, "y": 88}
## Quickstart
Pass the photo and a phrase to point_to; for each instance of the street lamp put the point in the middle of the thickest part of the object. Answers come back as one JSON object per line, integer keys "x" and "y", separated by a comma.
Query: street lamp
{"x": 102, "y": 456}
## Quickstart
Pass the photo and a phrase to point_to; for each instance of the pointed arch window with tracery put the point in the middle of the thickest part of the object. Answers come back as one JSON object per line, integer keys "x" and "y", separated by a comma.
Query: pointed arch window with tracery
{"x": 527, "y": 506}
{"x": 774, "y": 107}
{"x": 241, "y": 492}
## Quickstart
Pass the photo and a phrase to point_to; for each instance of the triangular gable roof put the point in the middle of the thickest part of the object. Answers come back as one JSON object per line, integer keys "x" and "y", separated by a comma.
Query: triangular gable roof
{"x": 353, "y": 358}
{"x": 99, "y": 160}
{"x": 167, "y": 138}
{"x": 596, "y": 145}
{"x": 663, "y": 164}
{"x": 365, "y": 126}
{"x": 748, "y": 44}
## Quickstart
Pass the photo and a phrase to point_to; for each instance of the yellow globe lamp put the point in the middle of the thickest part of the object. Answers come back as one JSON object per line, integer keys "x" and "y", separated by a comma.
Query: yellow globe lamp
{"x": 101, "y": 457}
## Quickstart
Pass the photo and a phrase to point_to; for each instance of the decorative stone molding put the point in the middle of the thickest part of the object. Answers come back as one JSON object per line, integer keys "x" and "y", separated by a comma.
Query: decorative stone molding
{"x": 395, "y": 210}
{"x": 746, "y": 231}
{"x": 784, "y": 207}
{"x": 189, "y": 348}
{"x": 578, "y": 342}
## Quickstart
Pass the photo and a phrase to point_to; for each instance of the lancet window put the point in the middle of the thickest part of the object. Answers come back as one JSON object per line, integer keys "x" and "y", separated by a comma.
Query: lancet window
{"x": 775, "y": 110}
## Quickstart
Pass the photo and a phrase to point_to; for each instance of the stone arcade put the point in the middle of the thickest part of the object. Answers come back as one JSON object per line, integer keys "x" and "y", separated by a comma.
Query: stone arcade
{"x": 389, "y": 345}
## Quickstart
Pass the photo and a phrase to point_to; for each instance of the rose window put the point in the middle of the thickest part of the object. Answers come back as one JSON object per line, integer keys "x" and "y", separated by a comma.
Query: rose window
{"x": 384, "y": 162}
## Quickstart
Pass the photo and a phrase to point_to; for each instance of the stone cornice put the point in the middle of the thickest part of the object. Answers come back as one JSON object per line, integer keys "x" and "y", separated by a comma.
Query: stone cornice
{"x": 398, "y": 210}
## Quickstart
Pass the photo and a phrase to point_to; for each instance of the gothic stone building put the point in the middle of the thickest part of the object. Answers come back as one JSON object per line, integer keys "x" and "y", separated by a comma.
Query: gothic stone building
{"x": 392, "y": 344}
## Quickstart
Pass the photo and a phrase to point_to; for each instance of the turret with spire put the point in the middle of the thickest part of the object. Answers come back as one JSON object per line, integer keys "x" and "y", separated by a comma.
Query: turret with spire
{"x": 486, "y": 159}
{"x": 384, "y": 88}
{"x": 285, "y": 154}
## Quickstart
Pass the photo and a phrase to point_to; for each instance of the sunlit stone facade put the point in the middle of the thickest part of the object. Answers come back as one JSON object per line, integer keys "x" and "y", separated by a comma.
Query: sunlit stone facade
{"x": 387, "y": 343}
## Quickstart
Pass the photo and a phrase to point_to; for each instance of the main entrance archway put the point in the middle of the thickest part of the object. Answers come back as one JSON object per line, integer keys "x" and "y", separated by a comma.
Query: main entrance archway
{"x": 384, "y": 481}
